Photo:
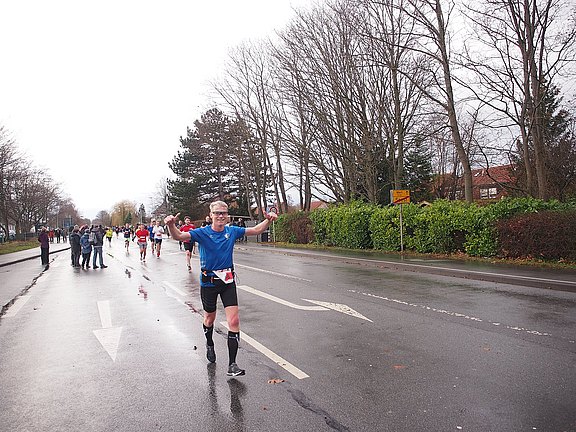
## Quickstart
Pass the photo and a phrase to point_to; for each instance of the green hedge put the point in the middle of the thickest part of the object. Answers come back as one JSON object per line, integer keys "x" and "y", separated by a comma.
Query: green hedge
{"x": 294, "y": 228}
{"x": 443, "y": 227}
{"x": 344, "y": 226}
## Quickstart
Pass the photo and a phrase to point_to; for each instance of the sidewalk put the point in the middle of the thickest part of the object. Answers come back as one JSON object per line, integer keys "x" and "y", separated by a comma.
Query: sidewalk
{"x": 29, "y": 254}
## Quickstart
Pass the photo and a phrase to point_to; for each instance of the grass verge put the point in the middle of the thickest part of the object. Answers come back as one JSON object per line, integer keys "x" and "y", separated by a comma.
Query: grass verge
{"x": 18, "y": 245}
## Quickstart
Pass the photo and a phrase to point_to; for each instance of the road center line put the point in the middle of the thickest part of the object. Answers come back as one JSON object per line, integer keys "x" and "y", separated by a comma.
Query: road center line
{"x": 289, "y": 367}
{"x": 279, "y": 300}
{"x": 272, "y": 273}
{"x": 454, "y": 314}
{"x": 173, "y": 288}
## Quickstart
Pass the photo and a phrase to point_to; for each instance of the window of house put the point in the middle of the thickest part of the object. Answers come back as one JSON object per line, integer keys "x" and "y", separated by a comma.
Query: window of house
{"x": 486, "y": 193}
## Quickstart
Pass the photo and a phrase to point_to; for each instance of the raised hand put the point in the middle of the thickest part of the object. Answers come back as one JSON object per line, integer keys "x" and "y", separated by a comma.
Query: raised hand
{"x": 170, "y": 220}
{"x": 271, "y": 216}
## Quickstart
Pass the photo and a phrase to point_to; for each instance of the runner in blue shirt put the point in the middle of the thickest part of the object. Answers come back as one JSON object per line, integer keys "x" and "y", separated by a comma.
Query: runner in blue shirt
{"x": 151, "y": 231}
{"x": 216, "y": 246}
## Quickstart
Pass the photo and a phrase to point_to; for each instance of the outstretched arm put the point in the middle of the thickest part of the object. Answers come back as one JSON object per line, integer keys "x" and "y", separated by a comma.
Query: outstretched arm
{"x": 176, "y": 234}
{"x": 262, "y": 226}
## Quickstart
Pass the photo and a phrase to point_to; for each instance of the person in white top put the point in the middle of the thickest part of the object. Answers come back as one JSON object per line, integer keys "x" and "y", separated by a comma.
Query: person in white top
{"x": 158, "y": 231}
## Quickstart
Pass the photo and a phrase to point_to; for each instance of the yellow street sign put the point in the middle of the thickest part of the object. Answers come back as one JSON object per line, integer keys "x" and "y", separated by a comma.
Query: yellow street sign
{"x": 400, "y": 196}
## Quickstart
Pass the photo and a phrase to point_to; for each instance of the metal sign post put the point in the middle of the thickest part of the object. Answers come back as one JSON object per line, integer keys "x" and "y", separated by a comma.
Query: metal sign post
{"x": 273, "y": 210}
{"x": 400, "y": 197}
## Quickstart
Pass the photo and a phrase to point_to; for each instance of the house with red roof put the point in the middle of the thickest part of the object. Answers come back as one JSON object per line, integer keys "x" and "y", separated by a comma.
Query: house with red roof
{"x": 487, "y": 183}
{"x": 490, "y": 183}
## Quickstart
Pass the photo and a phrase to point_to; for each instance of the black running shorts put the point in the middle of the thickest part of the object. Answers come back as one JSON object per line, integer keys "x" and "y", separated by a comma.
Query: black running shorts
{"x": 209, "y": 295}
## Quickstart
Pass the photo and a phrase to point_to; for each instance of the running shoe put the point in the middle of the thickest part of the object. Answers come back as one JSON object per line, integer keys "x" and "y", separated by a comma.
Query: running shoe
{"x": 234, "y": 370}
{"x": 210, "y": 353}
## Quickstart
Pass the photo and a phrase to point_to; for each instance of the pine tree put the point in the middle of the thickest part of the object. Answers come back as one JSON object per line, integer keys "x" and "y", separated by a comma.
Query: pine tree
{"x": 205, "y": 165}
{"x": 418, "y": 171}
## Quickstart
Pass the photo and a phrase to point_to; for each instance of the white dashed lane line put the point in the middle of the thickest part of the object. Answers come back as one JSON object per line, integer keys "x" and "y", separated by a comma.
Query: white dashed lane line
{"x": 454, "y": 314}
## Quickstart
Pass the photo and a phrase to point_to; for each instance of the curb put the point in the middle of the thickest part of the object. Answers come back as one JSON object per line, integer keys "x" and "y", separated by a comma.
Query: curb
{"x": 31, "y": 257}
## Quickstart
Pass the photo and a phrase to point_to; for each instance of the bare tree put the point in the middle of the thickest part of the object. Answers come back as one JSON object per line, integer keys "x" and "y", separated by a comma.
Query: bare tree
{"x": 250, "y": 92}
{"x": 103, "y": 218}
{"x": 390, "y": 35}
{"x": 11, "y": 169}
{"x": 433, "y": 24}
{"x": 124, "y": 212}
{"x": 35, "y": 194}
{"x": 65, "y": 214}
{"x": 331, "y": 92}
{"x": 519, "y": 50}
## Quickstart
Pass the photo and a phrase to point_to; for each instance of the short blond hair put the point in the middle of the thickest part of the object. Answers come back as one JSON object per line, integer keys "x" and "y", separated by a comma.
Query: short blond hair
{"x": 217, "y": 204}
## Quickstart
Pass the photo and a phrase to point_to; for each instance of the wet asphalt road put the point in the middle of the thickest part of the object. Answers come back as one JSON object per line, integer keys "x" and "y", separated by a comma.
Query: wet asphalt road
{"x": 360, "y": 346}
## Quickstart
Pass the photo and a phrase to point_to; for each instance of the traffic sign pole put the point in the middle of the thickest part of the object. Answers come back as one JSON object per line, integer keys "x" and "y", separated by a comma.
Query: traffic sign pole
{"x": 401, "y": 231}
{"x": 400, "y": 197}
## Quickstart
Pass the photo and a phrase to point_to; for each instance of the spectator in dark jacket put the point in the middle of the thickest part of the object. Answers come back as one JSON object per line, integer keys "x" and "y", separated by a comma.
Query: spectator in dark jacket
{"x": 44, "y": 246}
{"x": 75, "y": 246}
{"x": 98, "y": 243}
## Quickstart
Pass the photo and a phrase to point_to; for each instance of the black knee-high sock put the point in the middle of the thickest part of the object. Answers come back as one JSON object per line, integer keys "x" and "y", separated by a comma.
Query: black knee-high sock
{"x": 208, "y": 333}
{"x": 233, "y": 338}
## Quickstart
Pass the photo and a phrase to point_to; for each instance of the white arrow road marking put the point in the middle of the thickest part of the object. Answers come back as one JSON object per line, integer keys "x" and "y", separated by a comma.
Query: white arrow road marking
{"x": 279, "y": 300}
{"x": 272, "y": 355}
{"x": 108, "y": 336}
{"x": 16, "y": 306}
{"x": 322, "y": 306}
{"x": 104, "y": 311}
{"x": 340, "y": 308}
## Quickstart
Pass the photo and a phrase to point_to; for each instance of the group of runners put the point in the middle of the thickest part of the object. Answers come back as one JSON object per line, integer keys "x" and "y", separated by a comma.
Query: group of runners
{"x": 154, "y": 232}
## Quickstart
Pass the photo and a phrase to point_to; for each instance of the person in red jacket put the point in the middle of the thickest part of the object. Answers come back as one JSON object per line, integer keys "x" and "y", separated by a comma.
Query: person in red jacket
{"x": 188, "y": 244}
{"x": 142, "y": 236}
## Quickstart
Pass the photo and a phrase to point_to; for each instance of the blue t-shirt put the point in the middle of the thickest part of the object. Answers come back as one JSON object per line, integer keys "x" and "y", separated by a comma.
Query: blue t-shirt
{"x": 216, "y": 248}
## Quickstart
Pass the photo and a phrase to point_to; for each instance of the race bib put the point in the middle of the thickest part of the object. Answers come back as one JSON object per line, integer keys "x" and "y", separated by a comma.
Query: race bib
{"x": 225, "y": 275}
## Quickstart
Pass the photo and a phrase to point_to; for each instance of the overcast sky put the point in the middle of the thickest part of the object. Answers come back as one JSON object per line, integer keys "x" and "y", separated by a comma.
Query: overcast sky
{"x": 99, "y": 93}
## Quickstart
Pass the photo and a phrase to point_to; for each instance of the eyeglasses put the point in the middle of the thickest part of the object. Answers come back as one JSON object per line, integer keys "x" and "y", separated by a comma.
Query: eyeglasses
{"x": 220, "y": 213}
